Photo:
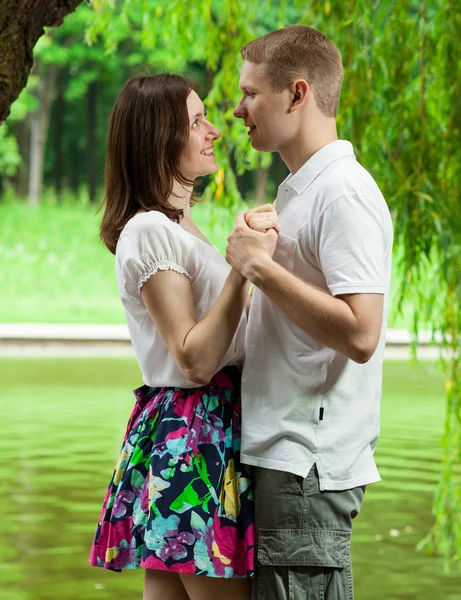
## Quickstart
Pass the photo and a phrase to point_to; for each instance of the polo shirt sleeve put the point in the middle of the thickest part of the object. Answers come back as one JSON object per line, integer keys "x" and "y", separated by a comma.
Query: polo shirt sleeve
{"x": 350, "y": 246}
{"x": 153, "y": 247}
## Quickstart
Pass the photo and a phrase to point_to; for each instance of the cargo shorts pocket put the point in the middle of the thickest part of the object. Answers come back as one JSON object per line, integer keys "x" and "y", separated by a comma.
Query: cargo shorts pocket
{"x": 304, "y": 564}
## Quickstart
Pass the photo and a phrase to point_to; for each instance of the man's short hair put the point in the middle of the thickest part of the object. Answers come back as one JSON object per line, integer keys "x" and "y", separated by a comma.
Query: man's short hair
{"x": 297, "y": 52}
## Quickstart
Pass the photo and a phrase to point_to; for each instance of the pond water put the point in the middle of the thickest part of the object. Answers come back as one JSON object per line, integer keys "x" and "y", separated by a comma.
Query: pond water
{"x": 62, "y": 424}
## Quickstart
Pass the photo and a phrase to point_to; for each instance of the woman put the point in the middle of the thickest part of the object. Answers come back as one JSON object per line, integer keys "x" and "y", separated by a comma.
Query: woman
{"x": 179, "y": 503}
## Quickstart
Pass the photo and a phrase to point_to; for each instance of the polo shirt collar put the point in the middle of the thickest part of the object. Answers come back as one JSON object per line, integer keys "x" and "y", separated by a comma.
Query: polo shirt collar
{"x": 302, "y": 179}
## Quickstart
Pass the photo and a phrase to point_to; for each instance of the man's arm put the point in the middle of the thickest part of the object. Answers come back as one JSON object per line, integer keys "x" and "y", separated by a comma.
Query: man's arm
{"x": 350, "y": 323}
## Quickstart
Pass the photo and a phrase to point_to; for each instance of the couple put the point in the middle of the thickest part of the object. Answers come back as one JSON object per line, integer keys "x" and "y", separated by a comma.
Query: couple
{"x": 180, "y": 503}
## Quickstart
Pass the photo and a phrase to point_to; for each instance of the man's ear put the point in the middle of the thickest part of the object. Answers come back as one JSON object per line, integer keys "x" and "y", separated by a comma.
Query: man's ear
{"x": 300, "y": 92}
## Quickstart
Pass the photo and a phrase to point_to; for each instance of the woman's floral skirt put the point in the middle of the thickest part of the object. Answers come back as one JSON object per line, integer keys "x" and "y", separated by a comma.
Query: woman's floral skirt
{"x": 179, "y": 499}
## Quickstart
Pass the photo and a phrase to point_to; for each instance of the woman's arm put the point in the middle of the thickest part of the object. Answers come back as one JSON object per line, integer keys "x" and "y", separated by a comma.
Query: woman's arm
{"x": 261, "y": 218}
{"x": 248, "y": 302}
{"x": 197, "y": 347}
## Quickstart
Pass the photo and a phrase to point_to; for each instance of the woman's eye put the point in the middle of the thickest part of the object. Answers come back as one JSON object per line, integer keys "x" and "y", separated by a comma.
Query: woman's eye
{"x": 195, "y": 123}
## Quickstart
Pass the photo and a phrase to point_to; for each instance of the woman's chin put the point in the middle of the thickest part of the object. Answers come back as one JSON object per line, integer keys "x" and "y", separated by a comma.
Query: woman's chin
{"x": 211, "y": 169}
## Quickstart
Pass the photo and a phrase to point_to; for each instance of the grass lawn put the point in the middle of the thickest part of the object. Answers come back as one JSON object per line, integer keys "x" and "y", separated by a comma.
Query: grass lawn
{"x": 63, "y": 421}
{"x": 54, "y": 269}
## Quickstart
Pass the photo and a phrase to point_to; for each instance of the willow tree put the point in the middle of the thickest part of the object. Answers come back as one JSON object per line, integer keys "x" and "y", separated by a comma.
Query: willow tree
{"x": 400, "y": 106}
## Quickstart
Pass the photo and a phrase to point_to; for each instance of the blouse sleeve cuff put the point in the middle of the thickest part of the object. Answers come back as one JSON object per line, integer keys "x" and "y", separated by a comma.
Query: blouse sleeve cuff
{"x": 160, "y": 266}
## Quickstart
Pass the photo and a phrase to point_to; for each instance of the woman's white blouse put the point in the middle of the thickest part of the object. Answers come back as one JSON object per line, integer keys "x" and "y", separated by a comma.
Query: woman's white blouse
{"x": 149, "y": 243}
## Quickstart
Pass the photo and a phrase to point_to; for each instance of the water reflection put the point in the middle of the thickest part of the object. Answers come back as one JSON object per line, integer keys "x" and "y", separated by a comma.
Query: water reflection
{"x": 63, "y": 421}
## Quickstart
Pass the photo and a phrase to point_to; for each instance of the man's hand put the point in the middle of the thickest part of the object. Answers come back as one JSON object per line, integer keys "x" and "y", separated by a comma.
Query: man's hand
{"x": 263, "y": 218}
{"x": 246, "y": 249}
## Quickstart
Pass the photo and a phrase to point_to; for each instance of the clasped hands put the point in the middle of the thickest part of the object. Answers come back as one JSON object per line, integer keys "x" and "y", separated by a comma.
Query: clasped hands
{"x": 253, "y": 239}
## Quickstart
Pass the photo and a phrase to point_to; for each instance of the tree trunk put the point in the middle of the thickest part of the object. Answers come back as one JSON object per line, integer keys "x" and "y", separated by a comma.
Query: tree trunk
{"x": 91, "y": 151}
{"x": 261, "y": 179}
{"x": 58, "y": 137}
{"x": 22, "y": 22}
{"x": 40, "y": 120}
{"x": 21, "y": 178}
{"x": 278, "y": 169}
{"x": 75, "y": 161}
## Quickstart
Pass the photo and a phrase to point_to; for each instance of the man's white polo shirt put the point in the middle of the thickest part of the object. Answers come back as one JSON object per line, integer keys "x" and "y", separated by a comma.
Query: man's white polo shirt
{"x": 304, "y": 403}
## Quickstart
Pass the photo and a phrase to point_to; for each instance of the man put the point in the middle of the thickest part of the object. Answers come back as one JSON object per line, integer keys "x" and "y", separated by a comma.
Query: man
{"x": 316, "y": 332}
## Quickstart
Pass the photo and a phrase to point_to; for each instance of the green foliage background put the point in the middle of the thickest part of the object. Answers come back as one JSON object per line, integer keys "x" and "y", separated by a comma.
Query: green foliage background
{"x": 400, "y": 107}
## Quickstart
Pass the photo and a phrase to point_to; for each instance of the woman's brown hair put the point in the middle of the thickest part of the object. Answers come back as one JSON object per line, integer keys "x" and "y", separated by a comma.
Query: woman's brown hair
{"x": 148, "y": 131}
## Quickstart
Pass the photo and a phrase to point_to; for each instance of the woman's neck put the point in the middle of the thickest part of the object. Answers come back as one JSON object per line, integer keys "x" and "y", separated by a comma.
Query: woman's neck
{"x": 180, "y": 198}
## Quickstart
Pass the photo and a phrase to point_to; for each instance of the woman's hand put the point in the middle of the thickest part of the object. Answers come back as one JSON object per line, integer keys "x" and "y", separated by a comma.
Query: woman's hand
{"x": 262, "y": 218}
{"x": 246, "y": 248}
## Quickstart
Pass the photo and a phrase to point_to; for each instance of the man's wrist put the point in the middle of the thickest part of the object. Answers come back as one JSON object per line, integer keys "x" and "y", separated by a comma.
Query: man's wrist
{"x": 259, "y": 268}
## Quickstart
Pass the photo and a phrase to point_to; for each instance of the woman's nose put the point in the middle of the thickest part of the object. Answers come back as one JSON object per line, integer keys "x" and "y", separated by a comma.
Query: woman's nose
{"x": 214, "y": 133}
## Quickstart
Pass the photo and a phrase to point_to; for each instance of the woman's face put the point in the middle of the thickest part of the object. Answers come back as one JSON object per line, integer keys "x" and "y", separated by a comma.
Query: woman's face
{"x": 198, "y": 156}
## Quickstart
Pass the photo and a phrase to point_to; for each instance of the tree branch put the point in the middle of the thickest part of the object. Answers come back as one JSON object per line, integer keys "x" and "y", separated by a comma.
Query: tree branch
{"x": 22, "y": 23}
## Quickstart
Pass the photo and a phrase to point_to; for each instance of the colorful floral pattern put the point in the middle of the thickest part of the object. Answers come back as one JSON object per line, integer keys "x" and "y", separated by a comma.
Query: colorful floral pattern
{"x": 179, "y": 499}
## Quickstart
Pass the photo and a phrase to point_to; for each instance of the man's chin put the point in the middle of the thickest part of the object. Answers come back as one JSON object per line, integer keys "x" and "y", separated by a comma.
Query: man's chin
{"x": 261, "y": 146}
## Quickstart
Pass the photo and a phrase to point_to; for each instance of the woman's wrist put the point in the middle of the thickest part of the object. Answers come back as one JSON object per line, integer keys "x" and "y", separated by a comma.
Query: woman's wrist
{"x": 237, "y": 278}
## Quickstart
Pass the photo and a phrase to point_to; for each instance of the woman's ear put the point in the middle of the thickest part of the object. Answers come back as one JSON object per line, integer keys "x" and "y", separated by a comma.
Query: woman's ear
{"x": 300, "y": 91}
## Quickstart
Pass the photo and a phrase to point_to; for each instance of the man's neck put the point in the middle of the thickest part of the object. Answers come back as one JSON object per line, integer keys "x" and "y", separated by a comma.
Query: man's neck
{"x": 309, "y": 141}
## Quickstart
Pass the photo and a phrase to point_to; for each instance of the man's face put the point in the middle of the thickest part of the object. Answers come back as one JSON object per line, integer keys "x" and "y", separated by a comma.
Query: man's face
{"x": 263, "y": 110}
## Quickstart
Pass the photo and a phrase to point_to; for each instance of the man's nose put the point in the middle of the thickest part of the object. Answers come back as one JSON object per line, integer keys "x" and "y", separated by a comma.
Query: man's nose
{"x": 239, "y": 111}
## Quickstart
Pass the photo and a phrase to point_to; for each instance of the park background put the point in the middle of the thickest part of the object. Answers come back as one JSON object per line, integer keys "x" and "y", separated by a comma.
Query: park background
{"x": 63, "y": 416}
